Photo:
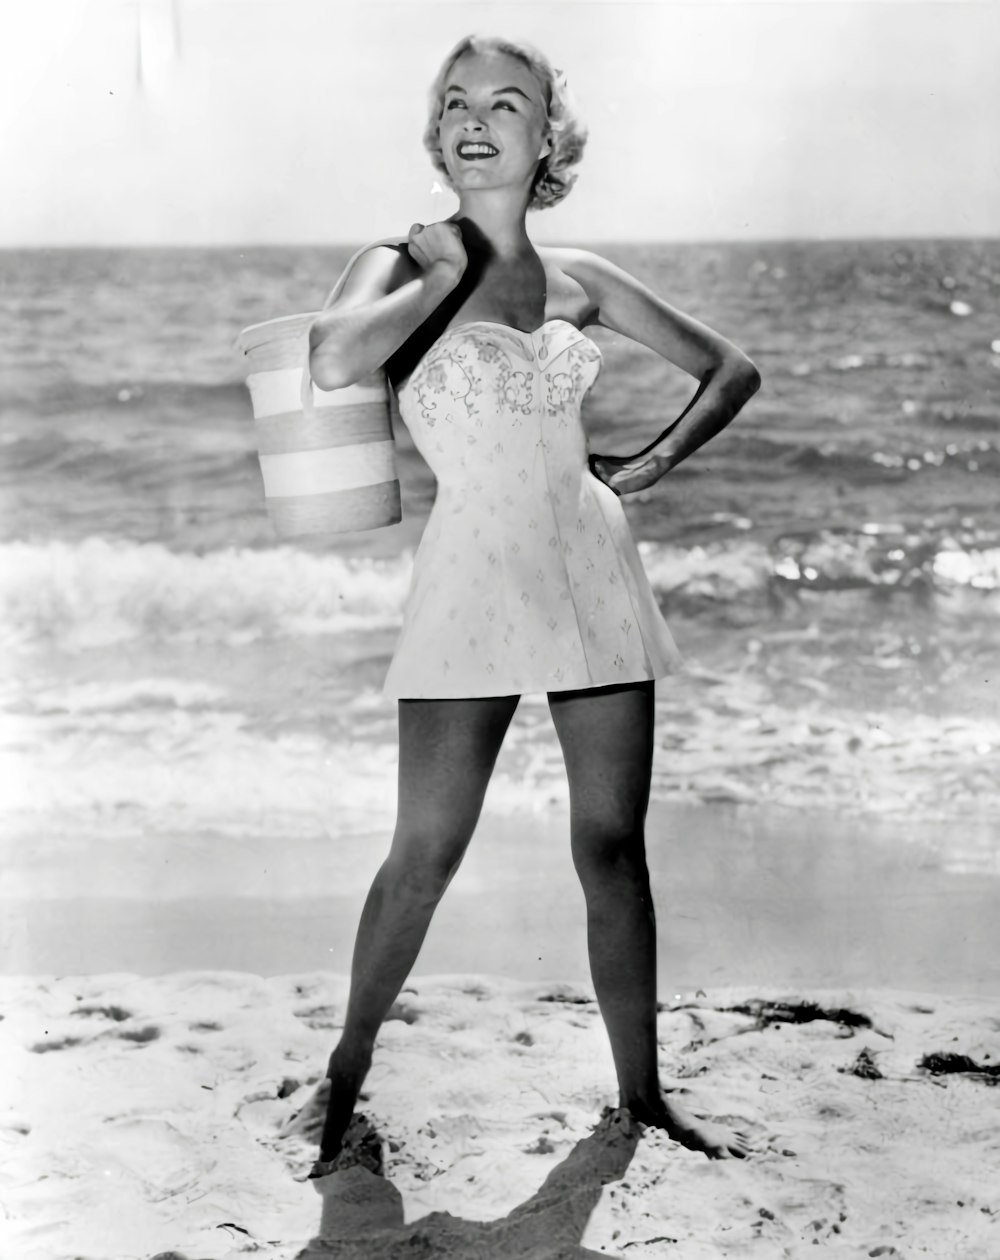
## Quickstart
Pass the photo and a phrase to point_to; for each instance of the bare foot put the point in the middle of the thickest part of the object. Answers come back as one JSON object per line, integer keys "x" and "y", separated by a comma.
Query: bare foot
{"x": 326, "y": 1115}
{"x": 346, "y": 1074}
{"x": 362, "y": 1146}
{"x": 717, "y": 1141}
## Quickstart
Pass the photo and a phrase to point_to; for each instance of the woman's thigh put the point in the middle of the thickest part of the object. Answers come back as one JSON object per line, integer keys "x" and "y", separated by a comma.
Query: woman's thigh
{"x": 447, "y": 751}
{"x": 606, "y": 735}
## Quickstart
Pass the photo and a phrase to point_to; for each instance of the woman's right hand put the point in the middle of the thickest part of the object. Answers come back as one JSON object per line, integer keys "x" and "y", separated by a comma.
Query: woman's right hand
{"x": 438, "y": 243}
{"x": 380, "y": 303}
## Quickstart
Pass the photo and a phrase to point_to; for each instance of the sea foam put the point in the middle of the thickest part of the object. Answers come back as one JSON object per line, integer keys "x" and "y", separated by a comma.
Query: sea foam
{"x": 100, "y": 592}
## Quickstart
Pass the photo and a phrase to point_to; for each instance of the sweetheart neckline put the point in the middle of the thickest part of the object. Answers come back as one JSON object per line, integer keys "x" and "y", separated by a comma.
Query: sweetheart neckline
{"x": 522, "y": 332}
{"x": 493, "y": 323}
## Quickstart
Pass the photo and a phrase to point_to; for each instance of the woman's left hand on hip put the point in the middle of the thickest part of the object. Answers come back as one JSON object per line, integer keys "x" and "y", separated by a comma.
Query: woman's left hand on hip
{"x": 628, "y": 473}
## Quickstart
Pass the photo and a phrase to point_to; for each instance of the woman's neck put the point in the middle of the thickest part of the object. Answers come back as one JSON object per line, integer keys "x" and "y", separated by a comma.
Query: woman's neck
{"x": 498, "y": 222}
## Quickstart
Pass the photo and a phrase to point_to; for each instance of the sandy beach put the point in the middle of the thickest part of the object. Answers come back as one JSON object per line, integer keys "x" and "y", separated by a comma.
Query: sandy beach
{"x": 146, "y": 1118}
{"x": 157, "y": 1089}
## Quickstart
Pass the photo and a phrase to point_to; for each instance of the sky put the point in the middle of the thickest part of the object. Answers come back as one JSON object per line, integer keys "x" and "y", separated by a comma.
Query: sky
{"x": 143, "y": 122}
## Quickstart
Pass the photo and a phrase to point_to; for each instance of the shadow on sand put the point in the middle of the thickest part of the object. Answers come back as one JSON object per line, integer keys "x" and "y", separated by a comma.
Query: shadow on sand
{"x": 363, "y": 1213}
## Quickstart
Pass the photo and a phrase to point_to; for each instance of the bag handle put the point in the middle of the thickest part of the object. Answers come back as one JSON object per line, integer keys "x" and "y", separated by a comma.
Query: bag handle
{"x": 306, "y": 386}
{"x": 338, "y": 288}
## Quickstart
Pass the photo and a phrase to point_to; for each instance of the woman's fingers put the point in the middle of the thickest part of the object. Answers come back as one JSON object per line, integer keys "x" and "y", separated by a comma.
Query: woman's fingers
{"x": 437, "y": 242}
{"x": 625, "y": 475}
{"x": 413, "y": 244}
{"x": 600, "y": 471}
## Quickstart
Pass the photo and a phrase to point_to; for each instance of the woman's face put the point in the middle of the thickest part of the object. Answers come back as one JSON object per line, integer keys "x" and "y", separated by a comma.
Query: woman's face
{"x": 494, "y": 124}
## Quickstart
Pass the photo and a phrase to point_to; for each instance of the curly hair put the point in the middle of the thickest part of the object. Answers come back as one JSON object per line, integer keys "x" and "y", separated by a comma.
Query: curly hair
{"x": 554, "y": 178}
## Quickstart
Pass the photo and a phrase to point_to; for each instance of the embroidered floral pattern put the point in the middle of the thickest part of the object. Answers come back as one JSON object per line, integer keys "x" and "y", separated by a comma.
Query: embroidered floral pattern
{"x": 517, "y": 392}
{"x": 561, "y": 389}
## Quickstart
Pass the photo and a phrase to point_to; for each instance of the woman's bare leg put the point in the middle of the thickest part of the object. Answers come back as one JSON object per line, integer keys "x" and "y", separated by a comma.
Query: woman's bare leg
{"x": 606, "y": 734}
{"x": 447, "y": 750}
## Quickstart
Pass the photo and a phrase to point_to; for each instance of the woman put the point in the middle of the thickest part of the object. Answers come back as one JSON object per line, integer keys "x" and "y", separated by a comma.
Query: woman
{"x": 526, "y": 578}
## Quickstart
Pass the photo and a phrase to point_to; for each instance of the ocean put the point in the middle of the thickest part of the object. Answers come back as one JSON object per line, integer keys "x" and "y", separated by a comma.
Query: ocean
{"x": 829, "y": 565}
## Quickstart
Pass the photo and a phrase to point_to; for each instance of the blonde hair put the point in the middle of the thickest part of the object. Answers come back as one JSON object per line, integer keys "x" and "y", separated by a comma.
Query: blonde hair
{"x": 568, "y": 135}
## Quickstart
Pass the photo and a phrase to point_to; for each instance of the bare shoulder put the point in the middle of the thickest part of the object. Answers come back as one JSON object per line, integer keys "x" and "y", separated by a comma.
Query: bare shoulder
{"x": 376, "y": 270}
{"x": 573, "y": 280}
{"x": 594, "y": 271}
{"x": 568, "y": 257}
{"x": 622, "y": 303}
{"x": 595, "y": 276}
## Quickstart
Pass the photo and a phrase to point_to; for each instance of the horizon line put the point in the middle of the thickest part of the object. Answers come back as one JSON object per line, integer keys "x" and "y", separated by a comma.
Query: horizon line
{"x": 348, "y": 243}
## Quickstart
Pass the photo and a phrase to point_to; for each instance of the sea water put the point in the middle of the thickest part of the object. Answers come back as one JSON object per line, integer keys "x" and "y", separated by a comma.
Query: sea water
{"x": 829, "y": 565}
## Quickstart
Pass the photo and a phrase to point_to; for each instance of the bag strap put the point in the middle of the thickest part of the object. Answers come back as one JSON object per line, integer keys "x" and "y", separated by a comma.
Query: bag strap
{"x": 335, "y": 293}
{"x": 306, "y": 386}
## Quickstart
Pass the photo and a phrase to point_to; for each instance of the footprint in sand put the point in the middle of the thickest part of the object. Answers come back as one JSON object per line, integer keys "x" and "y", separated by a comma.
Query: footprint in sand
{"x": 154, "y": 1152}
{"x": 140, "y": 1036}
{"x": 57, "y": 1043}
{"x": 116, "y": 1013}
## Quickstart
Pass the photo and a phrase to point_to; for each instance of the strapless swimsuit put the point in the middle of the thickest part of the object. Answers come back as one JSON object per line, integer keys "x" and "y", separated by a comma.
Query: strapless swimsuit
{"x": 527, "y": 577}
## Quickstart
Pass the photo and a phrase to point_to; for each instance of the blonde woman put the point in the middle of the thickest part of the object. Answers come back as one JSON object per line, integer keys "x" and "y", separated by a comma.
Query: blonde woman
{"x": 527, "y": 578}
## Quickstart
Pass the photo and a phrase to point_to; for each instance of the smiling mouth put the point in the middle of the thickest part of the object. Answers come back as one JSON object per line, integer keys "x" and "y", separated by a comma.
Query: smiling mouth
{"x": 476, "y": 150}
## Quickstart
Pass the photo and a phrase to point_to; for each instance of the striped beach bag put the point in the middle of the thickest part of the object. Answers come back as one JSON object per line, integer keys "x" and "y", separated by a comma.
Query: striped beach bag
{"x": 327, "y": 457}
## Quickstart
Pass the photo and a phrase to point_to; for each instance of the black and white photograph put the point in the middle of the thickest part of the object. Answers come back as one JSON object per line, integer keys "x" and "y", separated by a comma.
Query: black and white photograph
{"x": 500, "y": 629}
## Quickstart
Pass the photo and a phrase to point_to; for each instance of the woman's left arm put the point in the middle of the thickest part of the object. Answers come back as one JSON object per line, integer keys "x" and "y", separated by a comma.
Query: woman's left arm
{"x": 727, "y": 378}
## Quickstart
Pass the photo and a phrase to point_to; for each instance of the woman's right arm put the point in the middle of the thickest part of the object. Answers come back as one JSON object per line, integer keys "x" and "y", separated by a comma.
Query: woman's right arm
{"x": 383, "y": 301}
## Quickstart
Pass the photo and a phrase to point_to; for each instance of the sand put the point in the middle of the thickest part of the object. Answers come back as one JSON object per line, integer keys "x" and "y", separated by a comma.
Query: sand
{"x": 144, "y": 1116}
{"x": 166, "y": 1025}
{"x": 744, "y": 895}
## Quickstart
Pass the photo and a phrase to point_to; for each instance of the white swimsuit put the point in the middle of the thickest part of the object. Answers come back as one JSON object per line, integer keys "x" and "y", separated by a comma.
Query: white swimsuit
{"x": 527, "y": 577}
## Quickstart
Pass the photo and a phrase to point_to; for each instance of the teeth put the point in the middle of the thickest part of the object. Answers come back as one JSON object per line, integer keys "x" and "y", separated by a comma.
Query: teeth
{"x": 486, "y": 150}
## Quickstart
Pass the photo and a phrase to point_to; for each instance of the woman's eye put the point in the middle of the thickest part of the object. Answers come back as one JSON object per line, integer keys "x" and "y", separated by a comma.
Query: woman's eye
{"x": 504, "y": 105}
{"x": 455, "y": 105}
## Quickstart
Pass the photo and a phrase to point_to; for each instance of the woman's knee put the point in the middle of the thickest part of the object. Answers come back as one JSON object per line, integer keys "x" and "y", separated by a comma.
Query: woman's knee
{"x": 609, "y": 813}
{"x": 422, "y": 868}
{"x": 609, "y": 847}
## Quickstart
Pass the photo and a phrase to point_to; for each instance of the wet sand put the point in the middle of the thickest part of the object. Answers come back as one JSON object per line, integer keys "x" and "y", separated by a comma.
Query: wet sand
{"x": 743, "y": 896}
